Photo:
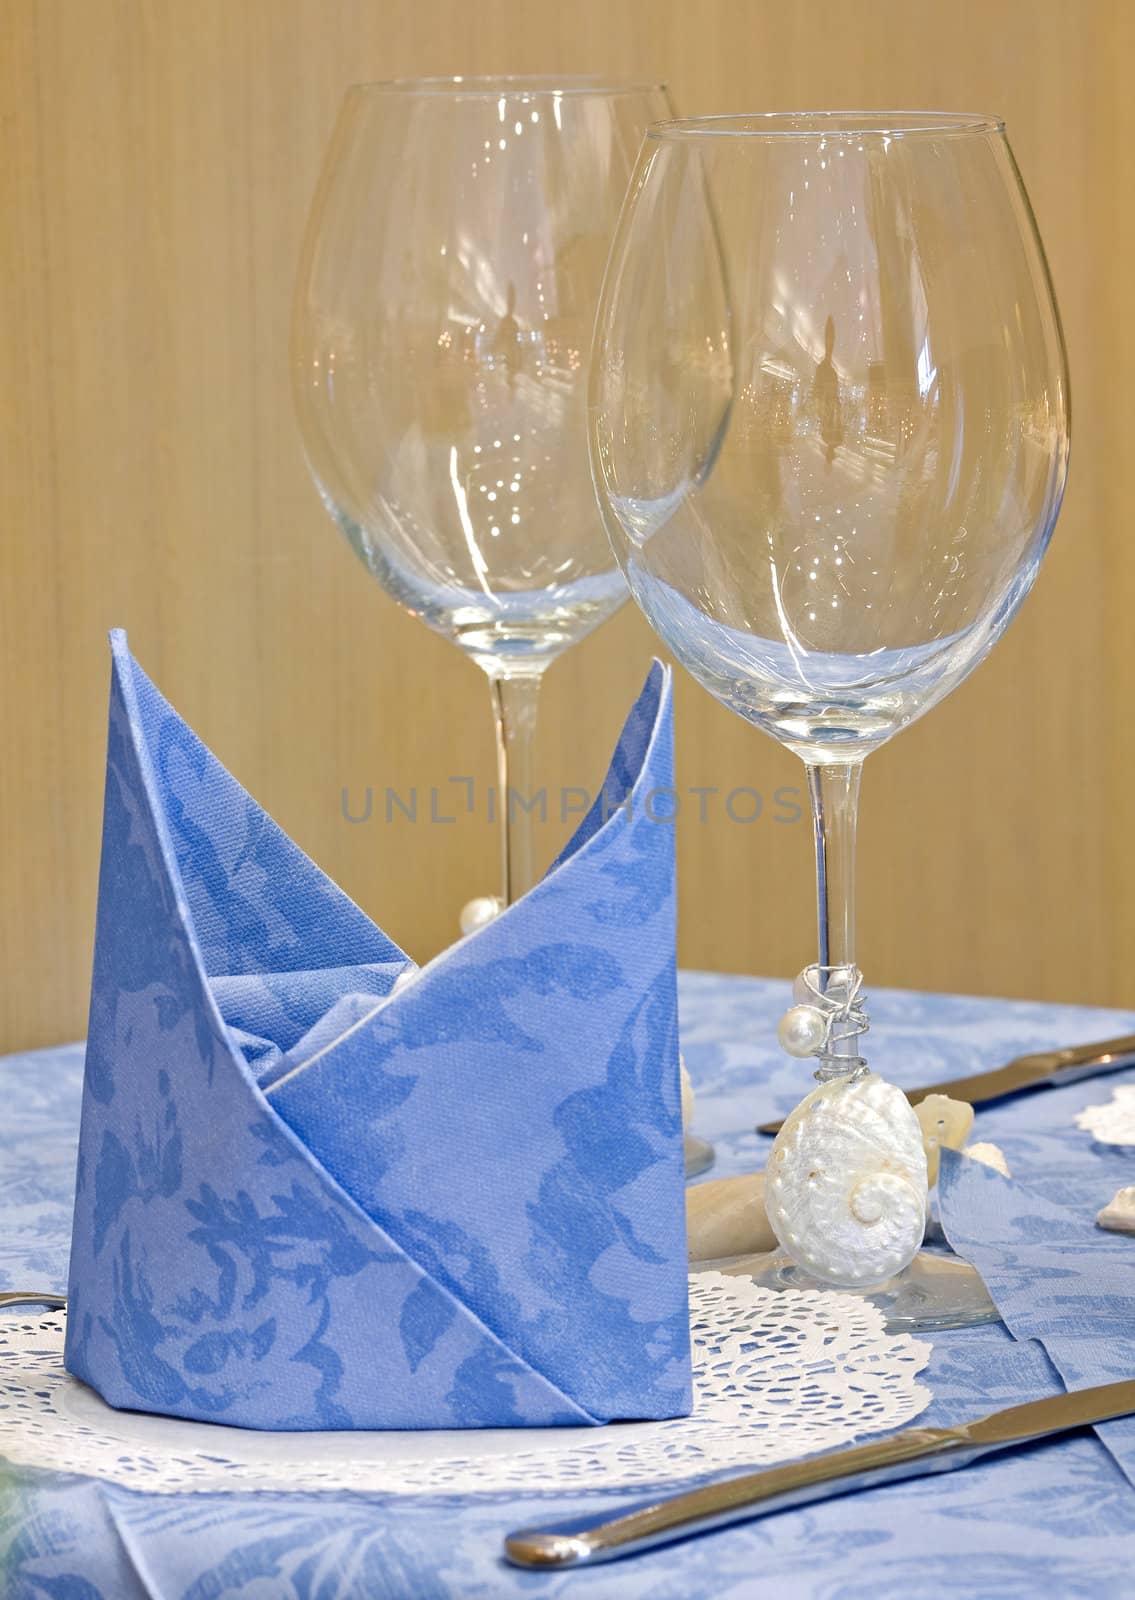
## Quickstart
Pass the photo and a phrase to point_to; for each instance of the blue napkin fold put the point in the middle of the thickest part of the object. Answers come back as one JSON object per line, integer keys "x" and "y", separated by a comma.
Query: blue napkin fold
{"x": 1054, "y": 1275}
{"x": 319, "y": 1188}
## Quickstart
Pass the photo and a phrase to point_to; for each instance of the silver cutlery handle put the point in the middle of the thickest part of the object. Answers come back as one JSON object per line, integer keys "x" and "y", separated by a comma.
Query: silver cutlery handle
{"x": 586, "y": 1540}
{"x": 32, "y": 1297}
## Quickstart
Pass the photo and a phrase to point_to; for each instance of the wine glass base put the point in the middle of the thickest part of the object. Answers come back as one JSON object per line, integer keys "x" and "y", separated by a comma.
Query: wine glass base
{"x": 700, "y": 1155}
{"x": 934, "y": 1292}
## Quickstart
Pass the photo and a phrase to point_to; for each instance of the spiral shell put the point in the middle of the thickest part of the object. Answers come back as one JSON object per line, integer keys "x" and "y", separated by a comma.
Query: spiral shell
{"x": 846, "y": 1182}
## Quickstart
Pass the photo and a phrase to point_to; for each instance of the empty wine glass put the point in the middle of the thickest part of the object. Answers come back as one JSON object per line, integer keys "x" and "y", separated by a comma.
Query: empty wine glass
{"x": 443, "y": 317}
{"x": 829, "y": 434}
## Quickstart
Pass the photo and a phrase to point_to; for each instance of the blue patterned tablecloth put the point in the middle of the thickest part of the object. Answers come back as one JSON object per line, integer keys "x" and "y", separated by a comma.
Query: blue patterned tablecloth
{"x": 1053, "y": 1520}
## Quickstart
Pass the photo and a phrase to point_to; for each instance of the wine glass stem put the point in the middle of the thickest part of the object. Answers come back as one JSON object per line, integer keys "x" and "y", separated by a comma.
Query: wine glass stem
{"x": 514, "y": 712}
{"x": 834, "y": 792}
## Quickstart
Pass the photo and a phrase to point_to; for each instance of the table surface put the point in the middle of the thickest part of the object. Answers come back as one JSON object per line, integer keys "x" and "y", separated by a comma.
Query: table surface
{"x": 1056, "y": 1519}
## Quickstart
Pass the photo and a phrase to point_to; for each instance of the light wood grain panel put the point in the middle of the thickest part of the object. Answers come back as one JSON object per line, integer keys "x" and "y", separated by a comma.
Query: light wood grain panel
{"x": 158, "y": 158}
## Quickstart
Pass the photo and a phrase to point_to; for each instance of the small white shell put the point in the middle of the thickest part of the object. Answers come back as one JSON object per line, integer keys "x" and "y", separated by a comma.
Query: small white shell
{"x": 1119, "y": 1213}
{"x": 688, "y": 1100}
{"x": 726, "y": 1217}
{"x": 990, "y": 1155}
{"x": 846, "y": 1182}
{"x": 945, "y": 1125}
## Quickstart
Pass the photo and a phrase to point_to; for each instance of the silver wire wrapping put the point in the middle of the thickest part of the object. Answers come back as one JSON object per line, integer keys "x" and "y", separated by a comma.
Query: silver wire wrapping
{"x": 843, "y": 1009}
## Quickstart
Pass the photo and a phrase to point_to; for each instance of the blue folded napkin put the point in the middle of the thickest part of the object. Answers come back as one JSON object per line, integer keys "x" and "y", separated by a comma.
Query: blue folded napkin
{"x": 321, "y": 1188}
{"x": 1054, "y": 1276}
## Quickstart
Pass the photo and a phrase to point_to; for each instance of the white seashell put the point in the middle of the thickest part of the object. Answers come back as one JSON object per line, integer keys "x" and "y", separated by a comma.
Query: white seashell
{"x": 688, "y": 1101}
{"x": 1113, "y": 1122}
{"x": 845, "y": 1186}
{"x": 1119, "y": 1213}
{"x": 945, "y": 1125}
{"x": 990, "y": 1155}
{"x": 726, "y": 1217}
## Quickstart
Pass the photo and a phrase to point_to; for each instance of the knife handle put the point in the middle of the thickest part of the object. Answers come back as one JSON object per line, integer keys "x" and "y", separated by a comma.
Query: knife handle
{"x": 586, "y": 1540}
{"x": 1086, "y": 1061}
{"x": 33, "y": 1297}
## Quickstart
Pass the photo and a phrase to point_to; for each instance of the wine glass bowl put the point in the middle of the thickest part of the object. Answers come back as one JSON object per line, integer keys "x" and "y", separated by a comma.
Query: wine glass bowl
{"x": 829, "y": 411}
{"x": 443, "y": 319}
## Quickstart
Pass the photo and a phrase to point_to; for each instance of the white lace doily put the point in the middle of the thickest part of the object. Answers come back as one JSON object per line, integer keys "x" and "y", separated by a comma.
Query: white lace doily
{"x": 776, "y": 1376}
{"x": 1114, "y": 1121}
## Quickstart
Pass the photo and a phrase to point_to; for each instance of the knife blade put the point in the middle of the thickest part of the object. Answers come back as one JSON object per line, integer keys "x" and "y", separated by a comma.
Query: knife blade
{"x": 1043, "y": 1069}
{"x": 583, "y": 1541}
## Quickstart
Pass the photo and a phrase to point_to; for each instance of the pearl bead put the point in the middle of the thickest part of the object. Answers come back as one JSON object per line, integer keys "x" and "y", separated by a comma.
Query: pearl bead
{"x": 480, "y": 912}
{"x": 801, "y": 1030}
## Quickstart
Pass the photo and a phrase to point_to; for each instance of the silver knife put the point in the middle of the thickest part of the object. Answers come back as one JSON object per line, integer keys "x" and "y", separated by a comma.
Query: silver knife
{"x": 582, "y": 1541}
{"x": 1043, "y": 1069}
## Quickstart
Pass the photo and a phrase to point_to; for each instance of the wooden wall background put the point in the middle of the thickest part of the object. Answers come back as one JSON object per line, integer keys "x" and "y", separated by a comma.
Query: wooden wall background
{"x": 158, "y": 158}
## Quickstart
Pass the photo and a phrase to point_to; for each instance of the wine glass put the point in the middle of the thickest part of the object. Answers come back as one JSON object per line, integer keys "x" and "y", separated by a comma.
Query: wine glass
{"x": 443, "y": 315}
{"x": 829, "y": 436}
